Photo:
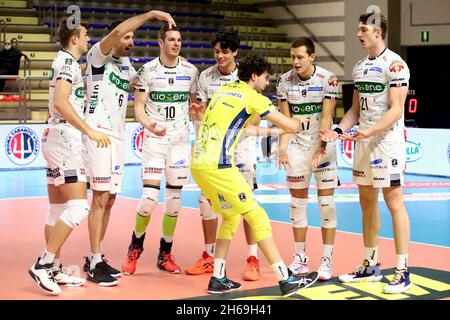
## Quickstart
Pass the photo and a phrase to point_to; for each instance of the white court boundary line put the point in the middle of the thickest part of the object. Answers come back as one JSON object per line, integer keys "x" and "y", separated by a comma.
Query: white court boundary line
{"x": 283, "y": 222}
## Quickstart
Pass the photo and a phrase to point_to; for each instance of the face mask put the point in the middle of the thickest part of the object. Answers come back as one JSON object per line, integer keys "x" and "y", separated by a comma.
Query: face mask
{"x": 8, "y": 47}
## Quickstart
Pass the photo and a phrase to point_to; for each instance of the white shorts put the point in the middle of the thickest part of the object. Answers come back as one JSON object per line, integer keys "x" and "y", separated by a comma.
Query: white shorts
{"x": 104, "y": 166}
{"x": 298, "y": 176}
{"x": 160, "y": 157}
{"x": 379, "y": 164}
{"x": 61, "y": 148}
{"x": 245, "y": 157}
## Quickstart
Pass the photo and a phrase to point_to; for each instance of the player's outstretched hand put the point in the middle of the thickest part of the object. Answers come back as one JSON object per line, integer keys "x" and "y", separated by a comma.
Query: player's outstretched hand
{"x": 160, "y": 132}
{"x": 163, "y": 16}
{"x": 328, "y": 135}
{"x": 283, "y": 160}
{"x": 361, "y": 134}
{"x": 101, "y": 138}
{"x": 318, "y": 156}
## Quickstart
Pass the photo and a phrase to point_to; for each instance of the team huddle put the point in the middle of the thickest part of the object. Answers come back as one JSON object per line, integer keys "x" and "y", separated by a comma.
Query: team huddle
{"x": 84, "y": 148}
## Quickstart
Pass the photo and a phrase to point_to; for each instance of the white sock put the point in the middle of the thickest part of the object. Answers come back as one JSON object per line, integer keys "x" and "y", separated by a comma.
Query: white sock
{"x": 56, "y": 262}
{"x": 300, "y": 248}
{"x": 219, "y": 268}
{"x": 168, "y": 238}
{"x": 280, "y": 270}
{"x": 328, "y": 250}
{"x": 95, "y": 258}
{"x": 371, "y": 254}
{"x": 210, "y": 248}
{"x": 402, "y": 261}
{"x": 253, "y": 250}
{"x": 46, "y": 258}
{"x": 139, "y": 234}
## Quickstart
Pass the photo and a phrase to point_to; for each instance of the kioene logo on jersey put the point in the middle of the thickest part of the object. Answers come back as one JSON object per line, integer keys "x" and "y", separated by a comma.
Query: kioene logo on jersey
{"x": 22, "y": 146}
{"x": 348, "y": 148}
{"x": 136, "y": 141}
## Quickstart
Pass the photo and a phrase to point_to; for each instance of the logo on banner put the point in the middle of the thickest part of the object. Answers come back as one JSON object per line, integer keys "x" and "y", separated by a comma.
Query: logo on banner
{"x": 136, "y": 141}
{"x": 414, "y": 151}
{"x": 22, "y": 146}
{"x": 348, "y": 149}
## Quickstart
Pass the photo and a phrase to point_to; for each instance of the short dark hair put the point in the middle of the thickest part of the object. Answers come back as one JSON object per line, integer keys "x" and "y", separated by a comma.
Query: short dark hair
{"x": 65, "y": 33}
{"x": 306, "y": 42}
{"x": 164, "y": 28}
{"x": 114, "y": 24}
{"x": 373, "y": 18}
{"x": 227, "y": 39}
{"x": 251, "y": 64}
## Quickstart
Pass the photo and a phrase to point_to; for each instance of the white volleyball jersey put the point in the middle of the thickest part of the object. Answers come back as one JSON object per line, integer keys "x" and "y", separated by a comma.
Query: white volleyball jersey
{"x": 372, "y": 79}
{"x": 169, "y": 92}
{"x": 108, "y": 83}
{"x": 305, "y": 97}
{"x": 65, "y": 67}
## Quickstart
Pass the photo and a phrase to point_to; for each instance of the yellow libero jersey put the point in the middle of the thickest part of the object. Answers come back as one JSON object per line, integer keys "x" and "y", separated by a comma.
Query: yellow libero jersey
{"x": 229, "y": 110}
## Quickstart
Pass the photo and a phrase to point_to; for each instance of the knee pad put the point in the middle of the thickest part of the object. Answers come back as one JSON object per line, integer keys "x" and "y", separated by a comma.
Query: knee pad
{"x": 54, "y": 212}
{"x": 148, "y": 202}
{"x": 259, "y": 223}
{"x": 327, "y": 210}
{"x": 228, "y": 226}
{"x": 299, "y": 218}
{"x": 75, "y": 212}
{"x": 206, "y": 210}
{"x": 173, "y": 201}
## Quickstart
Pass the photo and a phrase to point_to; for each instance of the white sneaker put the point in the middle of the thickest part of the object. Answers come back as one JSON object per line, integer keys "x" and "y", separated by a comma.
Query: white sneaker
{"x": 300, "y": 264}
{"x": 43, "y": 276}
{"x": 66, "y": 279}
{"x": 400, "y": 283}
{"x": 364, "y": 273}
{"x": 325, "y": 270}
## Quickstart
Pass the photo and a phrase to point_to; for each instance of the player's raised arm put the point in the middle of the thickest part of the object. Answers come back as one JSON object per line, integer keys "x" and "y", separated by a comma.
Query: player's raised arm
{"x": 131, "y": 24}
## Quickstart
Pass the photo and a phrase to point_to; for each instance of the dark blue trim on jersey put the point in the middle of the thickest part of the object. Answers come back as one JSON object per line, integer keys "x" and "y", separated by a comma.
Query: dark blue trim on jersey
{"x": 230, "y": 136}
{"x": 265, "y": 113}
{"x": 96, "y": 71}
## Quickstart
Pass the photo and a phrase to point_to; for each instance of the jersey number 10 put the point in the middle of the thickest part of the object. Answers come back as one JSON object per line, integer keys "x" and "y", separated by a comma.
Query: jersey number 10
{"x": 170, "y": 112}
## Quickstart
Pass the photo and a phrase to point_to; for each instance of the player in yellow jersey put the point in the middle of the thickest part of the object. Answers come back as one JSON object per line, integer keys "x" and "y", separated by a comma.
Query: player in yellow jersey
{"x": 212, "y": 166}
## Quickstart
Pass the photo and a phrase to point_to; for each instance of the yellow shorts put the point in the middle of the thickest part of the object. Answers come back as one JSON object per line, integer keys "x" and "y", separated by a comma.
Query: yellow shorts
{"x": 226, "y": 189}
{"x": 229, "y": 193}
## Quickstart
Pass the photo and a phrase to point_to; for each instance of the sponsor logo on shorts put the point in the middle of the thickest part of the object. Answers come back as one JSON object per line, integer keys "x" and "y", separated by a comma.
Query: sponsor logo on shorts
{"x": 324, "y": 165}
{"x": 178, "y": 163}
{"x": 223, "y": 203}
{"x": 137, "y": 138}
{"x": 116, "y": 168}
{"x": 327, "y": 180}
{"x": 295, "y": 178}
{"x": 22, "y": 146}
{"x": 378, "y": 179}
{"x": 359, "y": 174}
{"x": 394, "y": 163}
{"x": 151, "y": 170}
{"x": 242, "y": 197}
{"x": 376, "y": 161}
{"x": 53, "y": 173}
{"x": 414, "y": 151}
{"x": 240, "y": 165}
{"x": 99, "y": 180}
{"x": 182, "y": 178}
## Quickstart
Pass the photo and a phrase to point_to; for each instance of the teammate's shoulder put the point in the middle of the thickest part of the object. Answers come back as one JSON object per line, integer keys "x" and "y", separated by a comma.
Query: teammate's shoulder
{"x": 208, "y": 72}
{"x": 187, "y": 65}
{"x": 391, "y": 57}
{"x": 150, "y": 65}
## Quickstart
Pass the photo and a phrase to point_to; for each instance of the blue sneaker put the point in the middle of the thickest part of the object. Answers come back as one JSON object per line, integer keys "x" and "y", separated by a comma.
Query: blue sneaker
{"x": 224, "y": 285}
{"x": 366, "y": 273}
{"x": 399, "y": 283}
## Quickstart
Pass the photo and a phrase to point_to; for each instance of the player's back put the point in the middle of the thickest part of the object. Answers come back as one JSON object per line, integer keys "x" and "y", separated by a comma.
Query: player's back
{"x": 230, "y": 109}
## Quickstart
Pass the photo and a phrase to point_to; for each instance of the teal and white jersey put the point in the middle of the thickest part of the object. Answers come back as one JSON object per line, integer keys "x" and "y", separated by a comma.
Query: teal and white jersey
{"x": 210, "y": 80}
{"x": 372, "y": 79}
{"x": 65, "y": 67}
{"x": 108, "y": 83}
{"x": 169, "y": 92}
{"x": 305, "y": 100}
